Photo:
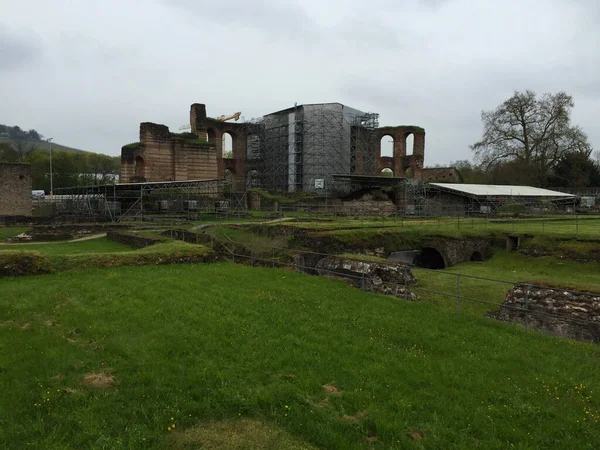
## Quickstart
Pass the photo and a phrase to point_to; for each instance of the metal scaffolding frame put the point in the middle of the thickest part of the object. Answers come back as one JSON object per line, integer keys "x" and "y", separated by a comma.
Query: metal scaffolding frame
{"x": 171, "y": 200}
{"x": 299, "y": 149}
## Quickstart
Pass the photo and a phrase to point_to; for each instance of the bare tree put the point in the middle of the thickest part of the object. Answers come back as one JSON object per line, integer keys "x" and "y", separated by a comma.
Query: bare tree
{"x": 535, "y": 132}
{"x": 24, "y": 149}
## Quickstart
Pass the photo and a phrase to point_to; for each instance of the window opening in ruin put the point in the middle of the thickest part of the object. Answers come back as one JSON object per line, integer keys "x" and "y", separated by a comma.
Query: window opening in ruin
{"x": 429, "y": 258}
{"x": 139, "y": 166}
{"x": 408, "y": 173}
{"x": 387, "y": 172}
{"x": 410, "y": 144}
{"x": 387, "y": 146}
{"x": 227, "y": 145}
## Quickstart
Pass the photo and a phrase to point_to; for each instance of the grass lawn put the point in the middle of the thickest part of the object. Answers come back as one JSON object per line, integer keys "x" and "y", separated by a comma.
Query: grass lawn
{"x": 584, "y": 227}
{"x": 100, "y": 245}
{"x": 8, "y": 232}
{"x": 113, "y": 358}
{"x": 513, "y": 267}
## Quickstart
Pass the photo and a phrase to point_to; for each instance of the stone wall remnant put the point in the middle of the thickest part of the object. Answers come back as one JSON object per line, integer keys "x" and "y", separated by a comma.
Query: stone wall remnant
{"x": 15, "y": 190}
{"x": 575, "y": 315}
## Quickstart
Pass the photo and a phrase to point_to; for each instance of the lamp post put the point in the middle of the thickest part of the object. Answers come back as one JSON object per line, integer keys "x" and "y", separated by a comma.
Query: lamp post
{"x": 51, "y": 185}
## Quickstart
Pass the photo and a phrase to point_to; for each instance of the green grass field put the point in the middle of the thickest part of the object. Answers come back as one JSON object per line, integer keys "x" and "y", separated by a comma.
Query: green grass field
{"x": 113, "y": 358}
{"x": 100, "y": 245}
{"x": 8, "y": 232}
{"x": 511, "y": 267}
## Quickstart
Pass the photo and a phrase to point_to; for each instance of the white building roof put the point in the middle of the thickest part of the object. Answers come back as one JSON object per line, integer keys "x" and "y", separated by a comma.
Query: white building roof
{"x": 496, "y": 190}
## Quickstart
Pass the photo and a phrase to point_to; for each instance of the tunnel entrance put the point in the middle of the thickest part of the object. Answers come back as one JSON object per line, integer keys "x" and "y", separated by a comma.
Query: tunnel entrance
{"x": 477, "y": 257}
{"x": 430, "y": 258}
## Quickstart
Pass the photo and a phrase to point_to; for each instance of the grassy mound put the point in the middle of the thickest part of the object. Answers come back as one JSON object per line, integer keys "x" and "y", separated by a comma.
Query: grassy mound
{"x": 34, "y": 262}
{"x": 113, "y": 358}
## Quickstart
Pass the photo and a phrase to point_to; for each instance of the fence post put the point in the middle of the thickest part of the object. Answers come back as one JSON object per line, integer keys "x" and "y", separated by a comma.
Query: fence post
{"x": 458, "y": 294}
{"x": 526, "y": 307}
{"x": 362, "y": 281}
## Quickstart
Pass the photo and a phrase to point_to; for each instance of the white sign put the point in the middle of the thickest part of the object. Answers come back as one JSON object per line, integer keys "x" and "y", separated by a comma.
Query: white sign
{"x": 319, "y": 183}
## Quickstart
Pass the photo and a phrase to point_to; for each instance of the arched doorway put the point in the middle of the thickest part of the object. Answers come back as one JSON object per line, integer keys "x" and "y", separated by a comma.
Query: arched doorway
{"x": 429, "y": 258}
{"x": 476, "y": 256}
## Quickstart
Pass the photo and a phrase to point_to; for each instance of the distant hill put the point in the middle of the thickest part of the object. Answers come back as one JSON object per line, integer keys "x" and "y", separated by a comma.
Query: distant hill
{"x": 44, "y": 144}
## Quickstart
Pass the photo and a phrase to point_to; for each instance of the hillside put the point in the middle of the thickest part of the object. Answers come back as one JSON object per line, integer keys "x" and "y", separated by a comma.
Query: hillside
{"x": 44, "y": 144}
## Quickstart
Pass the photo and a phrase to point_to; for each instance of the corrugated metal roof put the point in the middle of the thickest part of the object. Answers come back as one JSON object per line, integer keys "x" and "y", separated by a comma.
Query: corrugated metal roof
{"x": 500, "y": 190}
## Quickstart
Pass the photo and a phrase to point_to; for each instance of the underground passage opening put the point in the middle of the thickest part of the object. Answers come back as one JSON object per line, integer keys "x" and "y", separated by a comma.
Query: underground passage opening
{"x": 429, "y": 258}
{"x": 477, "y": 257}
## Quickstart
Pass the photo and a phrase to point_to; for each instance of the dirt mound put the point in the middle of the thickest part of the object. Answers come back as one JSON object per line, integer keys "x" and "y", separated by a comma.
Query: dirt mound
{"x": 235, "y": 434}
{"x": 99, "y": 379}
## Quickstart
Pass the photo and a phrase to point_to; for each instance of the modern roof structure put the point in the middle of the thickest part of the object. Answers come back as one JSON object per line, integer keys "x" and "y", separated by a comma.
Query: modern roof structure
{"x": 495, "y": 190}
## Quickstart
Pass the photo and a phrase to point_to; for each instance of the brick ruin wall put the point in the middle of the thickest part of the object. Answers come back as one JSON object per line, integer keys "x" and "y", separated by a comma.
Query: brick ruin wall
{"x": 161, "y": 157}
{"x": 15, "y": 189}
{"x": 561, "y": 313}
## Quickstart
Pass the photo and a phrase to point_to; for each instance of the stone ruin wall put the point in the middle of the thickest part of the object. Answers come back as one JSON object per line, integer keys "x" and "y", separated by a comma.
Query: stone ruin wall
{"x": 15, "y": 189}
{"x": 165, "y": 158}
{"x": 555, "y": 311}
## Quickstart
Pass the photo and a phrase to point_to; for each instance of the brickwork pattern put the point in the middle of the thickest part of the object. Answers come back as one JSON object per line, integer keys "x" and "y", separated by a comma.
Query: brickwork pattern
{"x": 15, "y": 189}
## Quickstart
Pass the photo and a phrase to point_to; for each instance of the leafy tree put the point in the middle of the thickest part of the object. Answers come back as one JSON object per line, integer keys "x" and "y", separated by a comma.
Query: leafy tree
{"x": 529, "y": 130}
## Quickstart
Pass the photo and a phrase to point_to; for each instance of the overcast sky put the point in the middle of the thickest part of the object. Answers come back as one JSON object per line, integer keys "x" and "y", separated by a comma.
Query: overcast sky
{"x": 87, "y": 73}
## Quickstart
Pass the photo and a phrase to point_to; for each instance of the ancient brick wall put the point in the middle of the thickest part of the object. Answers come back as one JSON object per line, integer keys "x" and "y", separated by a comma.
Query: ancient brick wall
{"x": 575, "y": 315}
{"x": 159, "y": 156}
{"x": 442, "y": 174}
{"x": 15, "y": 189}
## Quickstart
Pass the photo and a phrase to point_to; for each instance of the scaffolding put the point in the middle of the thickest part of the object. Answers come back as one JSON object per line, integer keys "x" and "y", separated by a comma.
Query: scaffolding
{"x": 172, "y": 201}
{"x": 299, "y": 149}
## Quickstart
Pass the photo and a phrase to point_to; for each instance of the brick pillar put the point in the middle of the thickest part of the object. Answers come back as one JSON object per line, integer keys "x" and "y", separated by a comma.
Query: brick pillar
{"x": 198, "y": 120}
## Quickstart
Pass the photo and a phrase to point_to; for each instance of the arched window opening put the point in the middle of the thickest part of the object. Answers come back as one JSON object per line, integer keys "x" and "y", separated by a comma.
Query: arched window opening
{"x": 227, "y": 146}
{"x": 387, "y": 172}
{"x": 410, "y": 144}
{"x": 386, "y": 146}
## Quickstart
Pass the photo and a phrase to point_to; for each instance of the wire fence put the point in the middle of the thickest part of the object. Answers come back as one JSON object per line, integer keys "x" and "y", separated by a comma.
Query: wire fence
{"x": 569, "y": 313}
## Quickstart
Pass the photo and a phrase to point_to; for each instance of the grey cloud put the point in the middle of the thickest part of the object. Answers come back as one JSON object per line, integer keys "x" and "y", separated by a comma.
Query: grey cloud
{"x": 17, "y": 49}
{"x": 273, "y": 17}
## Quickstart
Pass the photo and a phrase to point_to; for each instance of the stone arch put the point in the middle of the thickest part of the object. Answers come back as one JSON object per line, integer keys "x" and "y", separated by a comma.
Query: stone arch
{"x": 252, "y": 179}
{"x": 386, "y": 172}
{"x": 430, "y": 258}
{"x": 386, "y": 146}
{"x": 476, "y": 256}
{"x": 409, "y": 140}
{"x": 227, "y": 145}
{"x": 139, "y": 167}
{"x": 252, "y": 146}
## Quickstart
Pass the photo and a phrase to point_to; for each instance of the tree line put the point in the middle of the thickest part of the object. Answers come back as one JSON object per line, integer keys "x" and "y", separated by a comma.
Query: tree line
{"x": 69, "y": 168}
{"x": 529, "y": 140}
